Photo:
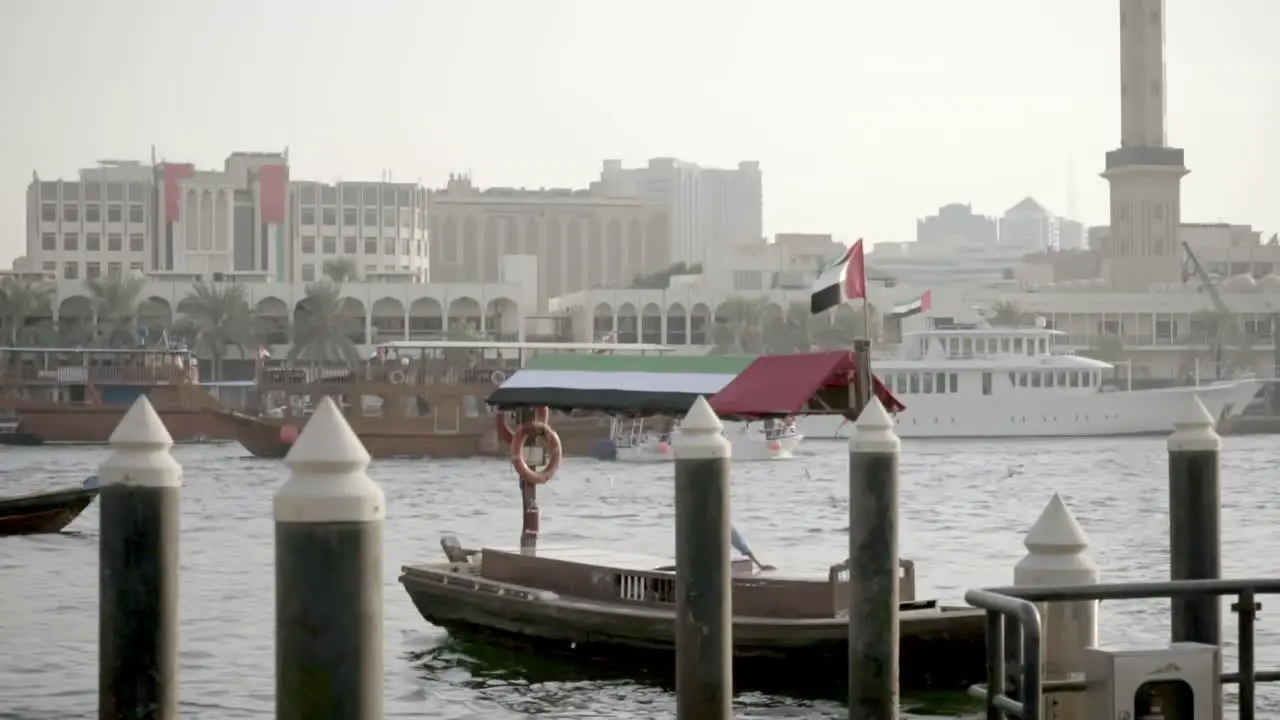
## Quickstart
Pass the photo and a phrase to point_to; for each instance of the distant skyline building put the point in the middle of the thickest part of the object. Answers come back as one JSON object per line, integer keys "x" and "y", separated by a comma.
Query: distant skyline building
{"x": 709, "y": 210}
{"x": 956, "y": 225}
{"x": 1145, "y": 174}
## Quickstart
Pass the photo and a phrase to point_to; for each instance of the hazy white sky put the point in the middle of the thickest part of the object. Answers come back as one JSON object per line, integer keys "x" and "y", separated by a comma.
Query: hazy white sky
{"x": 864, "y": 115}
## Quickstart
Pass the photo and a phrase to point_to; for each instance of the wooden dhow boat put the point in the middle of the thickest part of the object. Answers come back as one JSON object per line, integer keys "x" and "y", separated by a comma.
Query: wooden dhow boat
{"x": 79, "y": 395}
{"x": 49, "y": 511}
{"x": 619, "y": 609}
{"x": 411, "y": 399}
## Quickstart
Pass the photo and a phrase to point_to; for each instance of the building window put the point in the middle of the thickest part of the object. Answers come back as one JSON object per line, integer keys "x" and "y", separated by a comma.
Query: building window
{"x": 308, "y": 244}
{"x": 49, "y": 212}
{"x": 350, "y": 217}
{"x": 49, "y": 267}
{"x": 71, "y": 271}
{"x": 93, "y": 242}
{"x": 92, "y": 269}
{"x": 308, "y": 195}
{"x": 389, "y": 218}
{"x": 370, "y": 247}
{"x": 390, "y": 246}
{"x": 137, "y": 267}
{"x": 137, "y": 242}
{"x": 329, "y": 217}
{"x": 136, "y": 213}
{"x": 92, "y": 191}
{"x": 308, "y": 273}
{"x": 349, "y": 246}
{"x": 113, "y": 269}
{"x": 330, "y": 245}
{"x": 93, "y": 213}
{"x": 115, "y": 191}
{"x": 137, "y": 192}
{"x": 113, "y": 213}
{"x": 49, "y": 241}
{"x": 418, "y": 248}
{"x": 49, "y": 190}
{"x": 350, "y": 195}
{"x": 308, "y": 215}
{"x": 370, "y": 270}
{"x": 70, "y": 241}
{"x": 114, "y": 243}
{"x": 70, "y": 212}
{"x": 328, "y": 195}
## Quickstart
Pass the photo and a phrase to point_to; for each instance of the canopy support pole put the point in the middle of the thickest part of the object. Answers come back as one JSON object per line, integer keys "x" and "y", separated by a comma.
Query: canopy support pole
{"x": 861, "y": 395}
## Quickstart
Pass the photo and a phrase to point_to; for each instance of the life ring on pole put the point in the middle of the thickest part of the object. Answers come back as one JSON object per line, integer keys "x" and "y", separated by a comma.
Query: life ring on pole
{"x": 498, "y": 377}
{"x": 397, "y": 377}
{"x": 538, "y": 432}
{"x": 506, "y": 431}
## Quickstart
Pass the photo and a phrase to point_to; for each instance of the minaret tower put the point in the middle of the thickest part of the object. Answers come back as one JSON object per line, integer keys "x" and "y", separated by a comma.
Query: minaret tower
{"x": 1145, "y": 174}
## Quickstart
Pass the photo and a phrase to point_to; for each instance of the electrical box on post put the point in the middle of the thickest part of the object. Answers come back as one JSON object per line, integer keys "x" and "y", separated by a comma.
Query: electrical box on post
{"x": 1133, "y": 684}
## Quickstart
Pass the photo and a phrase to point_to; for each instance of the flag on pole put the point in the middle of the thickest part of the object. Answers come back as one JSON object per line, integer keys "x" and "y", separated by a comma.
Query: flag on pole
{"x": 844, "y": 279}
{"x": 913, "y": 307}
{"x": 263, "y": 353}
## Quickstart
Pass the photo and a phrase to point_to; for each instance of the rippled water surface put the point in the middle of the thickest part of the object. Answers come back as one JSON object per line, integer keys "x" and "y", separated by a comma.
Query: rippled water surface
{"x": 965, "y": 506}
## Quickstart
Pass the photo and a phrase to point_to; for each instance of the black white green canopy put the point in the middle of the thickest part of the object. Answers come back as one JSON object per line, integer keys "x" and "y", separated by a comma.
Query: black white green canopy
{"x": 623, "y": 384}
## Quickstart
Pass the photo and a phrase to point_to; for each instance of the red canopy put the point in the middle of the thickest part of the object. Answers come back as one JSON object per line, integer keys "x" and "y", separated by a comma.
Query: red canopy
{"x": 780, "y": 385}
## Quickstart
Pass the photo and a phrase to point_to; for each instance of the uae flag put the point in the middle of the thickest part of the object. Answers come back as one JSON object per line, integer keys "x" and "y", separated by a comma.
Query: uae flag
{"x": 913, "y": 307}
{"x": 844, "y": 279}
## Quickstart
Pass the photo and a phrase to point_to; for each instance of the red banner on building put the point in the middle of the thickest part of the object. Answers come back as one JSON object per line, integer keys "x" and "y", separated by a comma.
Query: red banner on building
{"x": 175, "y": 173}
{"x": 271, "y": 182}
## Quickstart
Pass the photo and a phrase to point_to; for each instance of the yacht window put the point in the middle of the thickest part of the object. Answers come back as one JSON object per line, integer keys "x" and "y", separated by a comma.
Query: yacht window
{"x": 900, "y": 382}
{"x": 1035, "y": 379}
{"x": 928, "y": 383}
{"x": 940, "y": 382}
{"x": 1013, "y": 379}
{"x": 955, "y": 383}
{"x": 1017, "y": 345}
{"x": 1075, "y": 378}
{"x": 1004, "y": 345}
{"x": 1022, "y": 379}
{"x": 1062, "y": 378}
{"x": 915, "y": 383}
{"x": 1048, "y": 379}
{"x": 968, "y": 346}
{"x": 1044, "y": 346}
{"x": 953, "y": 346}
{"x": 1031, "y": 346}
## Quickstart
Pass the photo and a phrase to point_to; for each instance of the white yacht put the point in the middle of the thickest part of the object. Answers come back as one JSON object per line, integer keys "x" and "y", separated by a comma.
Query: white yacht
{"x": 1012, "y": 382}
{"x": 636, "y": 442}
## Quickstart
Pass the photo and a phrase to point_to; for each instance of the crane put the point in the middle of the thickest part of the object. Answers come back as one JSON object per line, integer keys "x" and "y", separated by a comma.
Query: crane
{"x": 1221, "y": 334}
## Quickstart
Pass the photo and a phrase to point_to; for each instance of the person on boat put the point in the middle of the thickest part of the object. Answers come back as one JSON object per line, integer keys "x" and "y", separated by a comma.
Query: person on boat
{"x": 740, "y": 544}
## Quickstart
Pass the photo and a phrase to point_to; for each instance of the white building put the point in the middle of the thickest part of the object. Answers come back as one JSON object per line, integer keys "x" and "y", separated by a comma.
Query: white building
{"x": 709, "y": 209}
{"x": 246, "y": 220}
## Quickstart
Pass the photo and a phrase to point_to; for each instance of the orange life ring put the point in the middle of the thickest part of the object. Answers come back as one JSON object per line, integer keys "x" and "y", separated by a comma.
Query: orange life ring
{"x": 536, "y": 431}
{"x": 505, "y": 430}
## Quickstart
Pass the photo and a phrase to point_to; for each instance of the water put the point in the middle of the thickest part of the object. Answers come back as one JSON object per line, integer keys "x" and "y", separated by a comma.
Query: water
{"x": 965, "y": 509}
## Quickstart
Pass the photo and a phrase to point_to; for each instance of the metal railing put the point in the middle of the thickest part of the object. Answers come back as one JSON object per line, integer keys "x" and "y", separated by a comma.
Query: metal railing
{"x": 1012, "y": 610}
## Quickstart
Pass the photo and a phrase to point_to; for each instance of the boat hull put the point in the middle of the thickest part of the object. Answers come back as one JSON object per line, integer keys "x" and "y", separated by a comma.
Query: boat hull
{"x": 93, "y": 424}
{"x": 267, "y": 437}
{"x": 1104, "y": 414}
{"x": 940, "y": 648}
{"x": 47, "y": 512}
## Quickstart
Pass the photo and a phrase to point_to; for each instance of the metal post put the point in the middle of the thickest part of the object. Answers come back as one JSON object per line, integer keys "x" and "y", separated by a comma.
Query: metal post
{"x": 138, "y": 571}
{"x": 1195, "y": 539}
{"x": 873, "y": 566}
{"x": 1195, "y": 509}
{"x": 328, "y": 577}
{"x": 704, "y": 619}
{"x": 862, "y": 355}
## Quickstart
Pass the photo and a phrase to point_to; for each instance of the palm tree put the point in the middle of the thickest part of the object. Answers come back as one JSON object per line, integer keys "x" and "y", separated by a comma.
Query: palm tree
{"x": 215, "y": 318}
{"x": 1107, "y": 348}
{"x": 1006, "y": 313}
{"x": 836, "y": 329}
{"x": 739, "y": 327}
{"x": 116, "y": 299}
{"x": 791, "y": 332}
{"x": 21, "y": 301}
{"x": 341, "y": 270}
{"x": 322, "y": 330}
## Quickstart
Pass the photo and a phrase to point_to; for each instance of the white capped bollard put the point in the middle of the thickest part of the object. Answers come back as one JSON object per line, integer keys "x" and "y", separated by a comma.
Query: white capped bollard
{"x": 328, "y": 518}
{"x": 138, "y": 570}
{"x": 1058, "y": 554}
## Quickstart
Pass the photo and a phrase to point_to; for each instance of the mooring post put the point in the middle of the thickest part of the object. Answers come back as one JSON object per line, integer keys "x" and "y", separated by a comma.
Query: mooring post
{"x": 1058, "y": 554}
{"x": 862, "y": 358}
{"x": 1195, "y": 510}
{"x": 138, "y": 571}
{"x": 529, "y": 519}
{"x": 704, "y": 615}
{"x": 873, "y": 565}
{"x": 328, "y": 517}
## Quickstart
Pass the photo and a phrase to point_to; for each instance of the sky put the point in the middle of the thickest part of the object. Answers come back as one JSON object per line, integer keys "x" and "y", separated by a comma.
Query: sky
{"x": 864, "y": 115}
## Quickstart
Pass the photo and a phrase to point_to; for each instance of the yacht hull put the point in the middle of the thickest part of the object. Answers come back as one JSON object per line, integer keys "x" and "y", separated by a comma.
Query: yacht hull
{"x": 1103, "y": 414}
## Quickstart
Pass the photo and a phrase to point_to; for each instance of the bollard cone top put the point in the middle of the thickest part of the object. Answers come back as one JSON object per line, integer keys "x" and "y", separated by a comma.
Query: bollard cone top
{"x": 1056, "y": 531}
{"x": 873, "y": 431}
{"x": 700, "y": 434}
{"x": 327, "y": 439}
{"x": 141, "y": 426}
{"x": 1193, "y": 427}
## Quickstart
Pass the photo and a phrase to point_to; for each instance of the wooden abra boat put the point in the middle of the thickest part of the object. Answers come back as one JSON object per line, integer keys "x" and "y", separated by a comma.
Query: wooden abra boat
{"x": 619, "y": 610}
{"x": 78, "y": 395}
{"x": 412, "y": 399}
{"x": 43, "y": 512}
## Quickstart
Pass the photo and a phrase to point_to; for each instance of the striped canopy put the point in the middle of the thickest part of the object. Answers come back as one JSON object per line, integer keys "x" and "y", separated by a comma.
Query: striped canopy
{"x": 623, "y": 384}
